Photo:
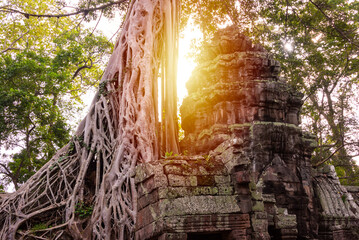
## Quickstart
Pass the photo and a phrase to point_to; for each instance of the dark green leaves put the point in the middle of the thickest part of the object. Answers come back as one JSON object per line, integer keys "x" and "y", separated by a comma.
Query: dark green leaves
{"x": 39, "y": 90}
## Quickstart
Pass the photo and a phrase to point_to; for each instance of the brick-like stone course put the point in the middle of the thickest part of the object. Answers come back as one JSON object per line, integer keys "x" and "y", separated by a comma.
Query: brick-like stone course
{"x": 248, "y": 175}
{"x": 191, "y": 194}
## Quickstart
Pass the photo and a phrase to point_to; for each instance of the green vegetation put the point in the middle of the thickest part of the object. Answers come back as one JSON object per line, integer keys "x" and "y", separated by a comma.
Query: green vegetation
{"x": 170, "y": 154}
{"x": 83, "y": 210}
{"x": 39, "y": 226}
{"x": 344, "y": 197}
{"x": 45, "y": 66}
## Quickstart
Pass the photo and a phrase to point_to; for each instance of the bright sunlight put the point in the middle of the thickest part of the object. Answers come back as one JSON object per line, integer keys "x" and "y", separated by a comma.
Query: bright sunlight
{"x": 185, "y": 63}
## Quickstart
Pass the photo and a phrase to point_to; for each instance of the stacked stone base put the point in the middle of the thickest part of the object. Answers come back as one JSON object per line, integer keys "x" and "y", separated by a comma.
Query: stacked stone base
{"x": 191, "y": 198}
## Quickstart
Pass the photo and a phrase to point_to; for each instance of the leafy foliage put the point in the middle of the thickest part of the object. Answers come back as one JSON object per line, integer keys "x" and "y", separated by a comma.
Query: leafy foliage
{"x": 107, "y": 12}
{"x": 42, "y": 76}
{"x": 39, "y": 226}
{"x": 83, "y": 210}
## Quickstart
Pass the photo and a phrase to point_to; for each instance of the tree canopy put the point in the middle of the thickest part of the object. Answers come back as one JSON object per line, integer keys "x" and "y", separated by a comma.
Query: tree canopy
{"x": 45, "y": 66}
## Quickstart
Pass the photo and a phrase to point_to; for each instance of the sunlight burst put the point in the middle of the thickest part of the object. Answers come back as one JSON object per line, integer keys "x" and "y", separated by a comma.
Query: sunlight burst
{"x": 185, "y": 63}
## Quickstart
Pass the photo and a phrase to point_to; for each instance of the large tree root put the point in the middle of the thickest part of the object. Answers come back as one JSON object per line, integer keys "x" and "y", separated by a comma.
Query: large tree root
{"x": 87, "y": 191}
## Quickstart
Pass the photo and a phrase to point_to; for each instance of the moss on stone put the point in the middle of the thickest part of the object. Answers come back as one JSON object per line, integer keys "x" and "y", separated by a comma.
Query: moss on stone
{"x": 258, "y": 206}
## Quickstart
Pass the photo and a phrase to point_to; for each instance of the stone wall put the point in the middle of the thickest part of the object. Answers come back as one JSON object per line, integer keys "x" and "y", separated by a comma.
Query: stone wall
{"x": 354, "y": 191}
{"x": 181, "y": 196}
{"x": 237, "y": 83}
{"x": 248, "y": 174}
{"x": 240, "y": 111}
{"x": 338, "y": 209}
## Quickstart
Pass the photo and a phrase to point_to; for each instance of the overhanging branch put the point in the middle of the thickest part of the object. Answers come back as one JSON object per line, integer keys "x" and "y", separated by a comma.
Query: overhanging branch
{"x": 81, "y": 11}
{"x": 333, "y": 25}
{"x": 12, "y": 44}
{"x": 326, "y": 159}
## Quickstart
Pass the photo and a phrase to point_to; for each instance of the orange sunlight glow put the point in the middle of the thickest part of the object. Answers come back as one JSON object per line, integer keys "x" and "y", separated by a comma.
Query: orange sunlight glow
{"x": 185, "y": 63}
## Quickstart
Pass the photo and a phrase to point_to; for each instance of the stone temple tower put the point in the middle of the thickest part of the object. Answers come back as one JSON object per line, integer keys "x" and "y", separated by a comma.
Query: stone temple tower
{"x": 246, "y": 173}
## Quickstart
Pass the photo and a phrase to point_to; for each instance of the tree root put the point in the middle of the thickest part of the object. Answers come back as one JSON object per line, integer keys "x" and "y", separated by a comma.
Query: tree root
{"x": 87, "y": 190}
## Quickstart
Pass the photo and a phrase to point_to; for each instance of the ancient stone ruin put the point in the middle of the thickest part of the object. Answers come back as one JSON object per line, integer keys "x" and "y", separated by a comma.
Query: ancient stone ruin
{"x": 247, "y": 173}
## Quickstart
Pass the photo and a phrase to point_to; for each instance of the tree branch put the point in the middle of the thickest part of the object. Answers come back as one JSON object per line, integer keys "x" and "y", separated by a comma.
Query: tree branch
{"x": 84, "y": 11}
{"x": 326, "y": 159}
{"x": 81, "y": 68}
{"x": 12, "y": 44}
{"x": 331, "y": 22}
{"x": 96, "y": 23}
{"x": 7, "y": 170}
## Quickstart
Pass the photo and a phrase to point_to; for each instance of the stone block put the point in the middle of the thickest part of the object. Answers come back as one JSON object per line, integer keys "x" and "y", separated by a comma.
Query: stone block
{"x": 285, "y": 221}
{"x": 205, "y": 191}
{"x": 239, "y": 234}
{"x": 222, "y": 179}
{"x": 148, "y": 215}
{"x": 199, "y": 205}
{"x": 206, "y": 180}
{"x": 147, "y": 199}
{"x": 173, "y": 169}
{"x": 256, "y": 195}
{"x": 270, "y": 208}
{"x": 259, "y": 225}
{"x": 258, "y": 206}
{"x": 141, "y": 173}
{"x": 176, "y": 180}
{"x": 191, "y": 181}
{"x": 173, "y": 192}
{"x": 207, "y": 223}
{"x": 268, "y": 198}
{"x": 203, "y": 171}
{"x": 173, "y": 236}
{"x": 260, "y": 236}
{"x": 225, "y": 190}
{"x": 289, "y": 232}
{"x": 243, "y": 177}
{"x": 151, "y": 183}
{"x": 149, "y": 231}
{"x": 144, "y": 171}
{"x": 260, "y": 215}
{"x": 245, "y": 205}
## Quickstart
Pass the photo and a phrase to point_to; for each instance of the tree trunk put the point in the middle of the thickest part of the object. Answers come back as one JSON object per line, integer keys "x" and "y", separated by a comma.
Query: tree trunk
{"x": 87, "y": 190}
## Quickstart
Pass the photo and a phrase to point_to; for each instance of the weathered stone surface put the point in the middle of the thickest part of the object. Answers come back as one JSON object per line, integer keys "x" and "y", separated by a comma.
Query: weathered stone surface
{"x": 199, "y": 205}
{"x": 173, "y": 193}
{"x": 173, "y": 236}
{"x": 231, "y": 88}
{"x": 249, "y": 174}
{"x": 244, "y": 114}
{"x": 354, "y": 191}
{"x": 339, "y": 215}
